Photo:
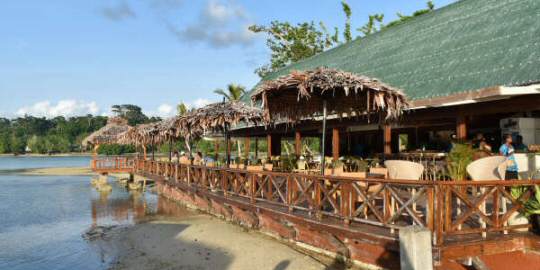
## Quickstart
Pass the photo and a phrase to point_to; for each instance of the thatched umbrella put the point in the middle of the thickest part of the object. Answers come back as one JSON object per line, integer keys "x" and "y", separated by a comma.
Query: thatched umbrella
{"x": 108, "y": 134}
{"x": 167, "y": 132}
{"x": 141, "y": 135}
{"x": 304, "y": 94}
{"x": 220, "y": 117}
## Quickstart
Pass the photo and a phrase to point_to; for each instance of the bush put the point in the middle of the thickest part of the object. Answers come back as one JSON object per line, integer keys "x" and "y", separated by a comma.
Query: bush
{"x": 115, "y": 149}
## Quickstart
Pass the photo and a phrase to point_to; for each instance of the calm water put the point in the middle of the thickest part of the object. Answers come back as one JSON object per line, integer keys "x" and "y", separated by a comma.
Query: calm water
{"x": 21, "y": 162}
{"x": 42, "y": 218}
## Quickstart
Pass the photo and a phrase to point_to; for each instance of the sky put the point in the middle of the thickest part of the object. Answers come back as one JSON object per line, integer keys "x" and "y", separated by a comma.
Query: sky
{"x": 74, "y": 57}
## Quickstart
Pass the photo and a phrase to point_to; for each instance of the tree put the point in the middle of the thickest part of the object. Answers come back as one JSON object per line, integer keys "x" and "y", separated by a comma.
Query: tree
{"x": 234, "y": 92}
{"x": 374, "y": 24}
{"x": 347, "y": 35}
{"x": 181, "y": 109}
{"x": 290, "y": 43}
{"x": 132, "y": 113}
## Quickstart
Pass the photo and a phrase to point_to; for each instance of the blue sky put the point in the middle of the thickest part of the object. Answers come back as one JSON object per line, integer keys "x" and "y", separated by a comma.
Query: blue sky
{"x": 70, "y": 57}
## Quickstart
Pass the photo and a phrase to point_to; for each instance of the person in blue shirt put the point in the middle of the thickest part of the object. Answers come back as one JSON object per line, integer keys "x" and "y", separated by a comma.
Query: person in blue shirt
{"x": 507, "y": 150}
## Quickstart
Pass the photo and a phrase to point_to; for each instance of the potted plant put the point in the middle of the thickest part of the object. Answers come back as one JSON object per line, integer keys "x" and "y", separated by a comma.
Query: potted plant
{"x": 531, "y": 210}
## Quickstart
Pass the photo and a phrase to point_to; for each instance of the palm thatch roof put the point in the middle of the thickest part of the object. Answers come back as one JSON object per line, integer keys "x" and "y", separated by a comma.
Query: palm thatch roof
{"x": 108, "y": 134}
{"x": 142, "y": 134}
{"x": 219, "y": 117}
{"x": 300, "y": 95}
{"x": 447, "y": 55}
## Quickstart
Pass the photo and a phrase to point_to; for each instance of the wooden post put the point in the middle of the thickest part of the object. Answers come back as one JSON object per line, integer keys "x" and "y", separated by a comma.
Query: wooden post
{"x": 461, "y": 128}
{"x": 247, "y": 147}
{"x": 297, "y": 144}
{"x": 144, "y": 152}
{"x": 269, "y": 146}
{"x": 216, "y": 150}
{"x": 387, "y": 130}
{"x": 335, "y": 144}
{"x": 256, "y": 148}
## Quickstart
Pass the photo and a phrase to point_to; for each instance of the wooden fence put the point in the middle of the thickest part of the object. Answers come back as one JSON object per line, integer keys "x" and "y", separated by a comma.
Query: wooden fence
{"x": 450, "y": 209}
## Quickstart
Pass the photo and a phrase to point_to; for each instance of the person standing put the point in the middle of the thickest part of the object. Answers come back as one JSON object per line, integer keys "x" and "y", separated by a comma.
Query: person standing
{"x": 507, "y": 150}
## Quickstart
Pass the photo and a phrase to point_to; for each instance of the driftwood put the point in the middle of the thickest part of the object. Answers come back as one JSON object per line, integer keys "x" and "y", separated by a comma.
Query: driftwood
{"x": 300, "y": 95}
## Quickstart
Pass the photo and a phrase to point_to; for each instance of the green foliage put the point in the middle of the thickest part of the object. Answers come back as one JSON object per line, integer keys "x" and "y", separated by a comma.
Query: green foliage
{"x": 374, "y": 24}
{"x": 532, "y": 205}
{"x": 132, "y": 113}
{"x": 404, "y": 18}
{"x": 459, "y": 157}
{"x": 43, "y": 136}
{"x": 290, "y": 43}
{"x": 347, "y": 35}
{"x": 181, "y": 109}
{"x": 116, "y": 149}
{"x": 234, "y": 92}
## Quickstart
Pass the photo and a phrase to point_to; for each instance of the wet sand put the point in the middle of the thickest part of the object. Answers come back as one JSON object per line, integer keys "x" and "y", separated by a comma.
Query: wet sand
{"x": 198, "y": 241}
{"x": 76, "y": 171}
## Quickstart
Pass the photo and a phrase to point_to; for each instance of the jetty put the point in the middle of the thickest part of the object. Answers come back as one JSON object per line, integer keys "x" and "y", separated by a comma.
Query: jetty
{"x": 406, "y": 174}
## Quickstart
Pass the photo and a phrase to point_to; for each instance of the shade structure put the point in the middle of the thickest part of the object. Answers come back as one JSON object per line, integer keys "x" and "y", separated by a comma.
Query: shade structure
{"x": 307, "y": 94}
{"x": 108, "y": 134}
{"x": 141, "y": 135}
{"x": 301, "y": 94}
{"x": 220, "y": 117}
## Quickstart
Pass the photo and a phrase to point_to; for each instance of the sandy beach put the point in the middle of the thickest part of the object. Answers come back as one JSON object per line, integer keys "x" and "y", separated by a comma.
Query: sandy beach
{"x": 78, "y": 171}
{"x": 199, "y": 241}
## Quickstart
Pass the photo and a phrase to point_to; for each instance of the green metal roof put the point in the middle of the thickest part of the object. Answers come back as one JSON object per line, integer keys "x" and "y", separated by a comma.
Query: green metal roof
{"x": 465, "y": 46}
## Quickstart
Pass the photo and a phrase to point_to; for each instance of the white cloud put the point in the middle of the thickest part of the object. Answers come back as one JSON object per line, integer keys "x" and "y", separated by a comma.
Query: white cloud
{"x": 65, "y": 108}
{"x": 220, "y": 24}
{"x": 166, "y": 110}
{"x": 200, "y": 103}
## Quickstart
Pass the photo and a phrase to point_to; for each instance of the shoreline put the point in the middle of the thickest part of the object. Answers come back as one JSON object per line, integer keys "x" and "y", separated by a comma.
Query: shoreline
{"x": 197, "y": 241}
{"x": 53, "y": 171}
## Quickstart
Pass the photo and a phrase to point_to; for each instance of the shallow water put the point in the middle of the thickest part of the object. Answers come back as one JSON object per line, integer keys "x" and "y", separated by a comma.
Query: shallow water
{"x": 25, "y": 162}
{"x": 42, "y": 218}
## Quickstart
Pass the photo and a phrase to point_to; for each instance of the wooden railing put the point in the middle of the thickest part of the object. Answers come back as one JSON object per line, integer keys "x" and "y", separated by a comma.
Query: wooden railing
{"x": 113, "y": 164}
{"x": 448, "y": 208}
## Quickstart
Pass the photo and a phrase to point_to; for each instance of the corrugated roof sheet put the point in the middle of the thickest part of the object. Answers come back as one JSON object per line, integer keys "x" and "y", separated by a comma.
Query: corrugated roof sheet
{"x": 465, "y": 46}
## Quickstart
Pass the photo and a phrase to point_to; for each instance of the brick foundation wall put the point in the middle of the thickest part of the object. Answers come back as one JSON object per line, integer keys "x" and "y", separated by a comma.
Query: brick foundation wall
{"x": 361, "y": 252}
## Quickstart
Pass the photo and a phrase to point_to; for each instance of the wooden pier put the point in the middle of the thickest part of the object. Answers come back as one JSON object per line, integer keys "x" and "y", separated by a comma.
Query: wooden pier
{"x": 354, "y": 218}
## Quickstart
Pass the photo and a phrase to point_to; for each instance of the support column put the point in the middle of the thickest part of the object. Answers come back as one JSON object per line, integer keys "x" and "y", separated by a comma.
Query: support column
{"x": 297, "y": 144}
{"x": 387, "y": 136}
{"x": 461, "y": 128}
{"x": 335, "y": 144}
{"x": 216, "y": 150}
{"x": 247, "y": 147}
{"x": 269, "y": 146}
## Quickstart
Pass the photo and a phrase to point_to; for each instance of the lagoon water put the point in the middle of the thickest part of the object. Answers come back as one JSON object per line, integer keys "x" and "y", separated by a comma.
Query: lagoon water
{"x": 43, "y": 218}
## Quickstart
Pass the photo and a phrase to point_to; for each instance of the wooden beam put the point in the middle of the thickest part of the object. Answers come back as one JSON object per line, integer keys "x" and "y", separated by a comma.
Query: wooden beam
{"x": 387, "y": 139}
{"x": 335, "y": 144}
{"x": 297, "y": 144}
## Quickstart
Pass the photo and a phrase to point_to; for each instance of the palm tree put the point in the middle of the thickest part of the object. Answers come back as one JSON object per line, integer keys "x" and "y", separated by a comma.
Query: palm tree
{"x": 181, "y": 109}
{"x": 234, "y": 92}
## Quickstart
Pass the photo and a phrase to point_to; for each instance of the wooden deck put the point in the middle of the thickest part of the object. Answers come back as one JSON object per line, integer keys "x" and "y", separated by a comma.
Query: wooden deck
{"x": 467, "y": 218}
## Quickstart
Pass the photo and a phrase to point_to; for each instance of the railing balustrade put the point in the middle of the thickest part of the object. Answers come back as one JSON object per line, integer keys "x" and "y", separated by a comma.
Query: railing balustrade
{"x": 447, "y": 208}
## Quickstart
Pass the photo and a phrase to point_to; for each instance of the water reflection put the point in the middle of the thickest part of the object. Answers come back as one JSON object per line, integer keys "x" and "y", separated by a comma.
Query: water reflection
{"x": 123, "y": 207}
